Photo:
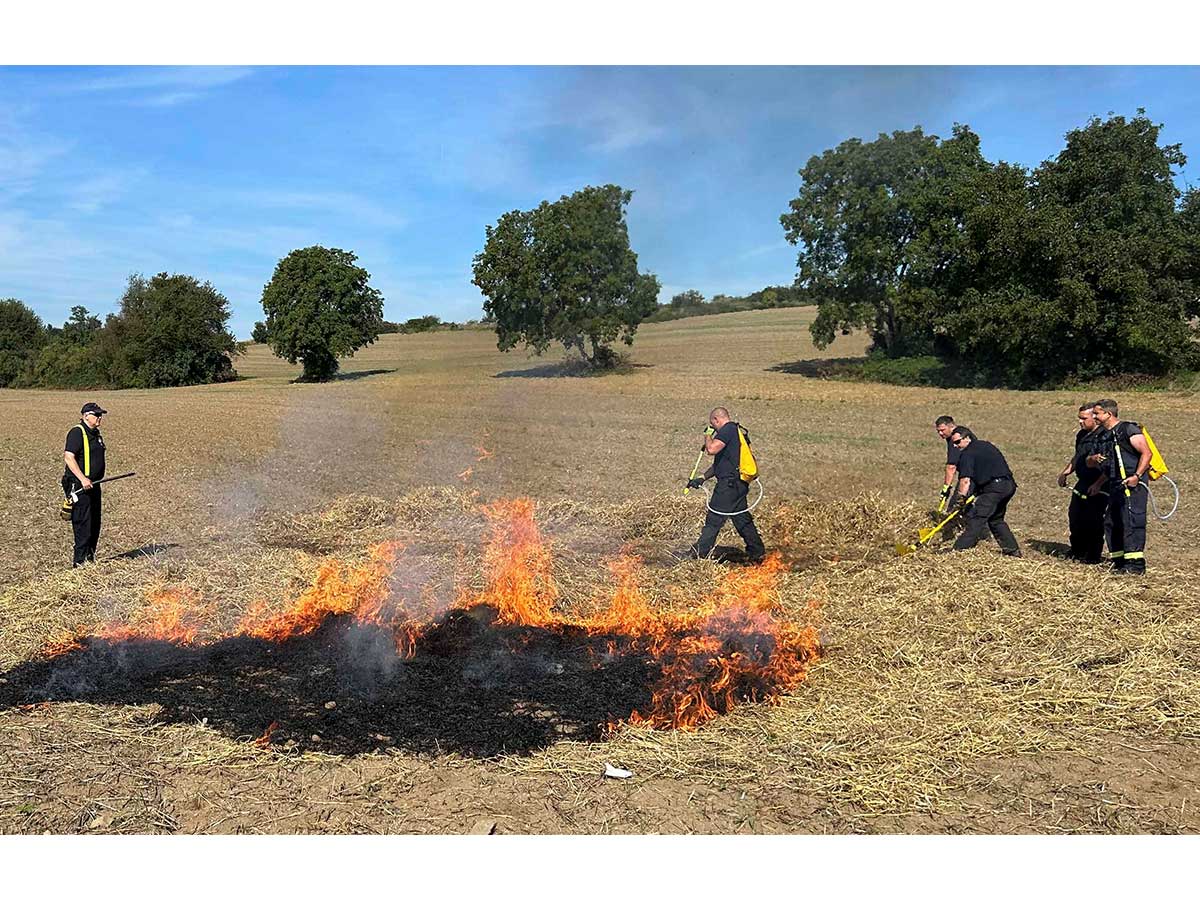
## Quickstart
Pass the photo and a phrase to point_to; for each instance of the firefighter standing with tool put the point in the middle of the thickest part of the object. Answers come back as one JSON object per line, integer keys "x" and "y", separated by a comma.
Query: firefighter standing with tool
{"x": 84, "y": 458}
{"x": 1126, "y": 456}
{"x": 723, "y": 441}
{"x": 983, "y": 471}
{"x": 1085, "y": 515}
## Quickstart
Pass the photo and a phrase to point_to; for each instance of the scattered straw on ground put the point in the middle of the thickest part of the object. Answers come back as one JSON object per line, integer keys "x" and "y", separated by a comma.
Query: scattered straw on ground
{"x": 935, "y": 663}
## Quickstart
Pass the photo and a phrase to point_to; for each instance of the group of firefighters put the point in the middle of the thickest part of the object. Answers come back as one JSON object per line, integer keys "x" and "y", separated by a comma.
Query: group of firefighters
{"x": 1110, "y": 463}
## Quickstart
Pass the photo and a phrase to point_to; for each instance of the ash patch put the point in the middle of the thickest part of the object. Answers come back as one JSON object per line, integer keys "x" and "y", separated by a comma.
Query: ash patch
{"x": 471, "y": 687}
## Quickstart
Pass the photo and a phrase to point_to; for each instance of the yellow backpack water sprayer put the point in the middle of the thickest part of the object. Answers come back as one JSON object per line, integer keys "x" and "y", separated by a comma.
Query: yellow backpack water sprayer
{"x": 747, "y": 471}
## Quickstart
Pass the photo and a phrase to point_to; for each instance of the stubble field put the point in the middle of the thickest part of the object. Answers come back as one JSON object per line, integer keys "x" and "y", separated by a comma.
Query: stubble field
{"x": 952, "y": 693}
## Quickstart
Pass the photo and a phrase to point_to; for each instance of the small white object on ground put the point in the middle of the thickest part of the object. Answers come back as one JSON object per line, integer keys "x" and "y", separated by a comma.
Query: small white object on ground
{"x": 611, "y": 771}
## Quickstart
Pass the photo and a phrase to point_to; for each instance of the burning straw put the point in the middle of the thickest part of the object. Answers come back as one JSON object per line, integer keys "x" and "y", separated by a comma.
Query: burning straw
{"x": 726, "y": 647}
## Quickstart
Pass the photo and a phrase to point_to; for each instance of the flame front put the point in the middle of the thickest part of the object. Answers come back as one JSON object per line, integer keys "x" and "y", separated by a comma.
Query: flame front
{"x": 730, "y": 647}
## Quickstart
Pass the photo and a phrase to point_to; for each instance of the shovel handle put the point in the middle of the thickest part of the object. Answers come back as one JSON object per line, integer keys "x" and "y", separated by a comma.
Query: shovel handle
{"x": 695, "y": 469}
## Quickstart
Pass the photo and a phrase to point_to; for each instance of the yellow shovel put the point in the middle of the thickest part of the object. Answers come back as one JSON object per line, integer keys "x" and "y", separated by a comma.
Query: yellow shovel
{"x": 924, "y": 534}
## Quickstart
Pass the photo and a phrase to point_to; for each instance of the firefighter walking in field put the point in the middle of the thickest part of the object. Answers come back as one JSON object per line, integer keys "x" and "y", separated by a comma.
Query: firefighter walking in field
{"x": 984, "y": 473}
{"x": 723, "y": 442}
{"x": 1125, "y": 455}
{"x": 83, "y": 455}
{"x": 1085, "y": 515}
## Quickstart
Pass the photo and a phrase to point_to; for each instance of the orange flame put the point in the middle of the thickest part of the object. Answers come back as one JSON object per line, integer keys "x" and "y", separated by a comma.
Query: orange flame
{"x": 337, "y": 590}
{"x": 731, "y": 647}
{"x": 517, "y": 563}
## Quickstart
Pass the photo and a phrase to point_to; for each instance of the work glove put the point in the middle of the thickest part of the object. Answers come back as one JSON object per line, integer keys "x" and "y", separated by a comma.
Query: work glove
{"x": 945, "y": 501}
{"x": 710, "y": 431}
{"x": 695, "y": 483}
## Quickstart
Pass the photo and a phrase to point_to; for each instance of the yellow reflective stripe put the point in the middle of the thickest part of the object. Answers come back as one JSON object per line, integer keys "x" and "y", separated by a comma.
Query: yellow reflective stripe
{"x": 87, "y": 452}
{"x": 1137, "y": 554}
{"x": 1118, "y": 555}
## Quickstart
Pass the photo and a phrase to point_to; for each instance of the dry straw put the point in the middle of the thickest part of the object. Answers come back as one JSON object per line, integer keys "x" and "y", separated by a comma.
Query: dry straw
{"x": 935, "y": 662}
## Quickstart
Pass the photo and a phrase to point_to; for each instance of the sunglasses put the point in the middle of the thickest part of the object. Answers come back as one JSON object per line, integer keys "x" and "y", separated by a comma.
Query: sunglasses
{"x": 958, "y": 441}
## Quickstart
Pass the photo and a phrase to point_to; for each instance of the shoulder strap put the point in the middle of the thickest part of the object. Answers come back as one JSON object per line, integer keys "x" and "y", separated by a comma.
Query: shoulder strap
{"x": 87, "y": 451}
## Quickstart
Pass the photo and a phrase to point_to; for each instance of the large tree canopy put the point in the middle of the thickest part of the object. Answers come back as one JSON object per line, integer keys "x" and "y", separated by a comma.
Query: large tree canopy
{"x": 879, "y": 221}
{"x": 565, "y": 272}
{"x": 319, "y": 307}
{"x": 171, "y": 330}
{"x": 1084, "y": 267}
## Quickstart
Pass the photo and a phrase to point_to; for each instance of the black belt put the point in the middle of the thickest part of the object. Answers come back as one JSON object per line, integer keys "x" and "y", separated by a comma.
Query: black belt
{"x": 997, "y": 478}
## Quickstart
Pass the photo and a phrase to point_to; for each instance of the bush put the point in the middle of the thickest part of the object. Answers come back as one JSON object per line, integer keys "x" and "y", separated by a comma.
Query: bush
{"x": 912, "y": 371}
{"x": 21, "y": 336}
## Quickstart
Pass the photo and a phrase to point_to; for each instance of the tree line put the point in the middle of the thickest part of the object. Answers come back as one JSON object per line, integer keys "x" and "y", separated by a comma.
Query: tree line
{"x": 1084, "y": 267}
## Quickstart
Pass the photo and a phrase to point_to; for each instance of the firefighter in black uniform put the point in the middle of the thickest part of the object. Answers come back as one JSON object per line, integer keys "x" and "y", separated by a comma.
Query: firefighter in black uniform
{"x": 722, "y": 442}
{"x": 1085, "y": 515}
{"x": 84, "y": 458}
{"x": 944, "y": 426}
{"x": 982, "y": 470}
{"x": 1126, "y": 458}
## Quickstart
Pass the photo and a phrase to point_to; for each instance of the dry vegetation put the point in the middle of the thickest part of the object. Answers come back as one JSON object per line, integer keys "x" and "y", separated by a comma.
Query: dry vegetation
{"x": 959, "y": 692}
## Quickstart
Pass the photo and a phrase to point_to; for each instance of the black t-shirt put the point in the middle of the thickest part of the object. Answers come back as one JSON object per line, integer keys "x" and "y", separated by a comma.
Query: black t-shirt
{"x": 952, "y": 452}
{"x": 981, "y": 461}
{"x": 1116, "y": 440}
{"x": 1087, "y": 443}
{"x": 95, "y": 452}
{"x": 727, "y": 463}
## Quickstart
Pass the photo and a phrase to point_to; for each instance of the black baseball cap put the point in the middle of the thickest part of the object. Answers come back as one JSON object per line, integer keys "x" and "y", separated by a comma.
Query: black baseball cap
{"x": 93, "y": 408}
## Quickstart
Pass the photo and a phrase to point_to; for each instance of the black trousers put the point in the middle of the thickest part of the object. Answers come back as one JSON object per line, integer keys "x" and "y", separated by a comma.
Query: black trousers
{"x": 987, "y": 513}
{"x": 1125, "y": 526}
{"x": 1086, "y": 518}
{"x": 729, "y": 496}
{"x": 85, "y": 522}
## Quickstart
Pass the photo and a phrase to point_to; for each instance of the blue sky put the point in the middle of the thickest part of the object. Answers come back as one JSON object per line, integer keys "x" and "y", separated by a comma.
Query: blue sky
{"x": 218, "y": 172}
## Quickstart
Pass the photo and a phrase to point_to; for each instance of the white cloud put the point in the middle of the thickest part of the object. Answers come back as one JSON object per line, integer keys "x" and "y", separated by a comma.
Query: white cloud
{"x": 177, "y": 79}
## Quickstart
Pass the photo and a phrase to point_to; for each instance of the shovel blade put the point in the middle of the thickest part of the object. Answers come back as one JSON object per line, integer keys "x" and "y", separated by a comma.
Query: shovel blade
{"x": 905, "y": 549}
{"x": 926, "y": 533}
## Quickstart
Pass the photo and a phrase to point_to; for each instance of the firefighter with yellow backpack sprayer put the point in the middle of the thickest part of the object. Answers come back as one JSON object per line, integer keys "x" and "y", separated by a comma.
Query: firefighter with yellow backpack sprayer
{"x": 1130, "y": 461}
{"x": 735, "y": 469}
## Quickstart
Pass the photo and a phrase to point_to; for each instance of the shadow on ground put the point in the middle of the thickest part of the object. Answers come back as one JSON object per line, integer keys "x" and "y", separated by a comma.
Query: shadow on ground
{"x": 571, "y": 369}
{"x": 843, "y": 367}
{"x": 471, "y": 687}
{"x": 147, "y": 550}
{"x": 1051, "y": 548}
{"x": 365, "y": 373}
{"x": 347, "y": 376}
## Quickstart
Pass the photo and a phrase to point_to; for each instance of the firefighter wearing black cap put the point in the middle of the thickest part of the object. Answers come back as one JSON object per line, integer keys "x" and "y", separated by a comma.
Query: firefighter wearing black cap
{"x": 1125, "y": 456}
{"x": 983, "y": 471}
{"x": 1085, "y": 515}
{"x": 84, "y": 458}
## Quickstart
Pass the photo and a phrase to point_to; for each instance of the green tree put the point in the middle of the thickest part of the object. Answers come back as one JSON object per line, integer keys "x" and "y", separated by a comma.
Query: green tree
{"x": 171, "y": 330}
{"x": 82, "y": 327}
{"x": 319, "y": 307}
{"x": 1084, "y": 268}
{"x": 21, "y": 336}
{"x": 258, "y": 333}
{"x": 565, "y": 272}
{"x": 687, "y": 299}
{"x": 880, "y": 222}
